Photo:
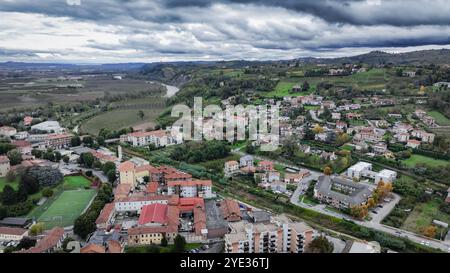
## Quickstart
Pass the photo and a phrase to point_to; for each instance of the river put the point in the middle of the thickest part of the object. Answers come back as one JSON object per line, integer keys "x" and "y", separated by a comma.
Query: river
{"x": 171, "y": 90}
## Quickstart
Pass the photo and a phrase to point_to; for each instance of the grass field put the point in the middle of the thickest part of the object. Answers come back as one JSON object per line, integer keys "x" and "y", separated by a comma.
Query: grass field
{"x": 423, "y": 216}
{"x": 121, "y": 118}
{"x": 66, "y": 208}
{"x": 283, "y": 89}
{"x": 75, "y": 182}
{"x": 414, "y": 159}
{"x": 3, "y": 183}
{"x": 440, "y": 118}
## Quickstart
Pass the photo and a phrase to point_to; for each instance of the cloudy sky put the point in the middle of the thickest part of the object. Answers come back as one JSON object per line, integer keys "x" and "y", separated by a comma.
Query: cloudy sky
{"x": 101, "y": 31}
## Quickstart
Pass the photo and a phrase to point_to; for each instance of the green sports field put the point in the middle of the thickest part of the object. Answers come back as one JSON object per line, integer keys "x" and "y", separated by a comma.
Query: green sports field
{"x": 66, "y": 208}
{"x": 76, "y": 182}
{"x": 414, "y": 159}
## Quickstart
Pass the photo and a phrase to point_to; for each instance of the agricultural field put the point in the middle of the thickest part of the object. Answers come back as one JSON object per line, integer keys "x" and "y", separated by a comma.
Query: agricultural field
{"x": 66, "y": 208}
{"x": 122, "y": 119}
{"x": 414, "y": 159}
{"x": 13, "y": 184}
{"x": 75, "y": 182}
{"x": 423, "y": 216}
{"x": 440, "y": 118}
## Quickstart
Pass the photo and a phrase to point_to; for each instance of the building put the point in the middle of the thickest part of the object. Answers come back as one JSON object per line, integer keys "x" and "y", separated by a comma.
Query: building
{"x": 340, "y": 192}
{"x": 23, "y": 146}
{"x": 230, "y": 210}
{"x": 21, "y": 135}
{"x": 280, "y": 235}
{"x": 57, "y": 141}
{"x": 4, "y": 165}
{"x": 190, "y": 188}
{"x": 364, "y": 170}
{"x": 16, "y": 222}
{"x": 231, "y": 167}
{"x": 51, "y": 242}
{"x": 246, "y": 161}
{"x": 135, "y": 203}
{"x": 7, "y": 131}
{"x": 49, "y": 127}
{"x": 27, "y": 120}
{"x": 12, "y": 233}
{"x": 147, "y": 235}
{"x": 265, "y": 166}
{"x": 106, "y": 217}
{"x": 412, "y": 143}
{"x": 159, "y": 138}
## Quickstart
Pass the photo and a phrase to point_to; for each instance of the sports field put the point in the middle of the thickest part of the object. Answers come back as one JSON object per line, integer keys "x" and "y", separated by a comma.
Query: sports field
{"x": 76, "y": 182}
{"x": 66, "y": 208}
{"x": 440, "y": 118}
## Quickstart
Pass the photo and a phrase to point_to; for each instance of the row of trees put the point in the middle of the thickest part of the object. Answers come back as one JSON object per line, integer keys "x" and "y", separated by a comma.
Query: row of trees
{"x": 361, "y": 211}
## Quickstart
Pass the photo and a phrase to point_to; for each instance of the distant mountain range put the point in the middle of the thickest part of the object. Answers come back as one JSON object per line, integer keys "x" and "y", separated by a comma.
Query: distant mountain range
{"x": 440, "y": 56}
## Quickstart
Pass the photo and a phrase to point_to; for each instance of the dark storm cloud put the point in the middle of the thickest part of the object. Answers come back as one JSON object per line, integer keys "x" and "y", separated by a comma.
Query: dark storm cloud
{"x": 222, "y": 29}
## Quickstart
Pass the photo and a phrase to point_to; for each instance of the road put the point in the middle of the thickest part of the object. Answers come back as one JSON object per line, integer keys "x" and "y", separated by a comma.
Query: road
{"x": 374, "y": 223}
{"x": 314, "y": 117}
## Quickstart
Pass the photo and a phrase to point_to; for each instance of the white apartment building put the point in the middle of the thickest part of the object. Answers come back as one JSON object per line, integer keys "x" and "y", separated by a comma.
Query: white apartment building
{"x": 159, "y": 138}
{"x": 364, "y": 170}
{"x": 191, "y": 188}
{"x": 135, "y": 203}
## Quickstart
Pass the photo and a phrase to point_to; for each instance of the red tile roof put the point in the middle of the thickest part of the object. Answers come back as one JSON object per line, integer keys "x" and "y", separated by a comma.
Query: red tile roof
{"x": 21, "y": 143}
{"x": 92, "y": 248}
{"x": 114, "y": 247}
{"x": 152, "y": 187}
{"x": 190, "y": 183}
{"x": 13, "y": 231}
{"x": 105, "y": 214}
{"x": 122, "y": 190}
{"x": 126, "y": 166}
{"x": 230, "y": 210}
{"x": 49, "y": 241}
{"x": 154, "y": 213}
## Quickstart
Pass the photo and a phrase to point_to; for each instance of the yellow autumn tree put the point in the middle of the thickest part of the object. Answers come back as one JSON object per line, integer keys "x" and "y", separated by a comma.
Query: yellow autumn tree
{"x": 317, "y": 129}
{"x": 371, "y": 202}
{"x": 327, "y": 170}
{"x": 429, "y": 231}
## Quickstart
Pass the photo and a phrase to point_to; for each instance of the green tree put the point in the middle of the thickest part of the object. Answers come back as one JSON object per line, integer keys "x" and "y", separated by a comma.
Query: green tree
{"x": 15, "y": 157}
{"x": 141, "y": 114}
{"x": 87, "y": 159}
{"x": 36, "y": 229}
{"x": 320, "y": 245}
{"x": 111, "y": 175}
{"x": 75, "y": 141}
{"x": 47, "y": 192}
{"x": 179, "y": 244}
{"x": 9, "y": 195}
{"x": 10, "y": 176}
{"x": 66, "y": 159}
{"x": 164, "y": 241}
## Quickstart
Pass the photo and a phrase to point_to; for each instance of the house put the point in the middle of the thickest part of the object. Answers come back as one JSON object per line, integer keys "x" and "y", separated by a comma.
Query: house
{"x": 412, "y": 143}
{"x": 340, "y": 192}
{"x": 246, "y": 161}
{"x": 273, "y": 176}
{"x": 294, "y": 178}
{"x": 402, "y": 137}
{"x": 265, "y": 166}
{"x": 278, "y": 186}
{"x": 21, "y": 135}
{"x": 423, "y": 136}
{"x": 231, "y": 167}
{"x": 230, "y": 210}
{"x": 27, "y": 120}
{"x": 12, "y": 233}
{"x": 23, "y": 146}
{"x": 7, "y": 131}
{"x": 51, "y": 242}
{"x": 4, "y": 165}
{"x": 106, "y": 217}
{"x": 353, "y": 116}
{"x": 410, "y": 74}
{"x": 379, "y": 148}
{"x": 328, "y": 156}
{"x": 387, "y": 176}
{"x": 359, "y": 169}
{"x": 336, "y": 116}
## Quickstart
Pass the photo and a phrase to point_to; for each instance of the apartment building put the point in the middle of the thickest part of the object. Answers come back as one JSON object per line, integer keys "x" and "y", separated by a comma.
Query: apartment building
{"x": 57, "y": 141}
{"x": 135, "y": 203}
{"x": 159, "y": 138}
{"x": 280, "y": 235}
{"x": 190, "y": 188}
{"x": 12, "y": 233}
{"x": 231, "y": 167}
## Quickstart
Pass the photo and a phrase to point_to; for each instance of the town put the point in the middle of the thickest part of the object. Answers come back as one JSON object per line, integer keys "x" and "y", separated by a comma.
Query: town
{"x": 197, "y": 127}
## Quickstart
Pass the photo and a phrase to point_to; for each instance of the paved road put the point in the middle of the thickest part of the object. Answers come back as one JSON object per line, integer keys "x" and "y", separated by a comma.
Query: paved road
{"x": 314, "y": 117}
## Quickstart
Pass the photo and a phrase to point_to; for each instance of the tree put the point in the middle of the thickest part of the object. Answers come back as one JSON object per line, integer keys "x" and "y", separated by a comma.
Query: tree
{"x": 88, "y": 140}
{"x": 371, "y": 202}
{"x": 87, "y": 159}
{"x": 75, "y": 141}
{"x": 84, "y": 225}
{"x": 111, "y": 175}
{"x": 317, "y": 129}
{"x": 36, "y": 229}
{"x": 10, "y": 176}
{"x": 45, "y": 176}
{"x": 47, "y": 192}
{"x": 108, "y": 166}
{"x": 164, "y": 241}
{"x": 430, "y": 231}
{"x": 305, "y": 86}
{"x": 9, "y": 195}
{"x": 327, "y": 170}
{"x": 15, "y": 157}
{"x": 66, "y": 159}
{"x": 320, "y": 245}
{"x": 359, "y": 211}
{"x": 179, "y": 243}
{"x": 141, "y": 114}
